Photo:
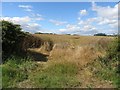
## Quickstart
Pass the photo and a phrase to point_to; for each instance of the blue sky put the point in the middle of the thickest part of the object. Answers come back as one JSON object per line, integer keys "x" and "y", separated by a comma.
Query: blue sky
{"x": 84, "y": 18}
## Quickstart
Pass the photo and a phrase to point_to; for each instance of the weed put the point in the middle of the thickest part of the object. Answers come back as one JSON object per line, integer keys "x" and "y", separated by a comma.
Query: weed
{"x": 56, "y": 75}
{"x": 109, "y": 64}
{"x": 15, "y": 70}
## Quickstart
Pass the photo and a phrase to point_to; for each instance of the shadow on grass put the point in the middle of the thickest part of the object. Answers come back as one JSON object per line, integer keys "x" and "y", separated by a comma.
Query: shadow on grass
{"x": 38, "y": 56}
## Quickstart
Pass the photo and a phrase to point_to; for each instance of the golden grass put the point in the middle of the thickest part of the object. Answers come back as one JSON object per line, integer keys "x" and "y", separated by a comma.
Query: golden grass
{"x": 78, "y": 55}
{"x": 72, "y": 50}
{"x": 74, "y": 40}
{"x": 67, "y": 48}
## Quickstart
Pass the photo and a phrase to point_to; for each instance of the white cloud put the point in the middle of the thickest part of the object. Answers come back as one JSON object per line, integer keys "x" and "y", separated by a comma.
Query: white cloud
{"x": 62, "y": 30}
{"x": 83, "y": 12}
{"x": 88, "y": 21}
{"x": 105, "y": 21}
{"x": 79, "y": 18}
{"x": 32, "y": 14}
{"x": 114, "y": 25}
{"x": 17, "y": 20}
{"x": 91, "y": 20}
{"x": 71, "y": 29}
{"x": 31, "y": 27}
{"x": 26, "y": 7}
{"x": 81, "y": 22}
{"x": 106, "y": 12}
{"x": 88, "y": 27}
{"x": 25, "y": 22}
{"x": 37, "y": 16}
{"x": 29, "y": 10}
{"x": 57, "y": 23}
{"x": 107, "y": 16}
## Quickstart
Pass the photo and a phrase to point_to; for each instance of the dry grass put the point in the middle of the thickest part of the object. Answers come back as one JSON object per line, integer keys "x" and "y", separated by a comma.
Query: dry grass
{"x": 81, "y": 55}
{"x": 74, "y": 40}
{"x": 78, "y": 49}
{"x": 68, "y": 61}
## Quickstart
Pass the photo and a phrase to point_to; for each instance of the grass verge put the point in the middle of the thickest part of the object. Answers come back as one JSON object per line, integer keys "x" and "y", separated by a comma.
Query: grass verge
{"x": 15, "y": 70}
{"x": 109, "y": 65}
{"x": 57, "y": 75}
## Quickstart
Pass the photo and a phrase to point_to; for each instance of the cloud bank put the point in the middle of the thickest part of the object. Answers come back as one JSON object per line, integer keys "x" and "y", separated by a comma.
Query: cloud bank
{"x": 105, "y": 20}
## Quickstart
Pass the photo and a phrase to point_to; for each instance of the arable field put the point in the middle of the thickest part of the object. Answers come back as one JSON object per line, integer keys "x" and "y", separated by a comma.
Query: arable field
{"x": 60, "y": 44}
{"x": 62, "y": 61}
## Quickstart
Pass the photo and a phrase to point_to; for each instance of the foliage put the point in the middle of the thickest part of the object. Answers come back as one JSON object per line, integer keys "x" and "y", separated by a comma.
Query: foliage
{"x": 11, "y": 38}
{"x": 100, "y": 34}
{"x": 110, "y": 64}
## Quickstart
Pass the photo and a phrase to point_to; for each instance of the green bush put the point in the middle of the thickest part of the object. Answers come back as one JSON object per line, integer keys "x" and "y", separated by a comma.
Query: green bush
{"x": 114, "y": 49}
{"x": 11, "y": 38}
{"x": 110, "y": 63}
{"x": 100, "y": 34}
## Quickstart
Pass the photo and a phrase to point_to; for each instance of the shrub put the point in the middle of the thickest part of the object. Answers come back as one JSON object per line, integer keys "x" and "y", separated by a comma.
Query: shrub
{"x": 11, "y": 37}
{"x": 110, "y": 63}
{"x": 100, "y": 34}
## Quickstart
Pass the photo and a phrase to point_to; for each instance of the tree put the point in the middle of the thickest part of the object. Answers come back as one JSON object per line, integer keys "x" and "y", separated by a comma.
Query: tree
{"x": 100, "y": 34}
{"x": 11, "y": 37}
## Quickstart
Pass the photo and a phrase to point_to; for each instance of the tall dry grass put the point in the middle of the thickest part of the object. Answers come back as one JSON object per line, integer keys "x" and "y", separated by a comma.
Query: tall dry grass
{"x": 79, "y": 55}
{"x": 66, "y": 48}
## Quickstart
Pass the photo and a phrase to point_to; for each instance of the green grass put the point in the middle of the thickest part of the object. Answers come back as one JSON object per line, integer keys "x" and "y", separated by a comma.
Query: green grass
{"x": 56, "y": 76}
{"x": 108, "y": 73}
{"x": 107, "y": 67}
{"x": 15, "y": 70}
{"x": 59, "y": 72}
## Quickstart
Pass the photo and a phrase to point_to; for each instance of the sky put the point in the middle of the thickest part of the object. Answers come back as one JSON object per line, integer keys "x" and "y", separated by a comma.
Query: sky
{"x": 83, "y": 18}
